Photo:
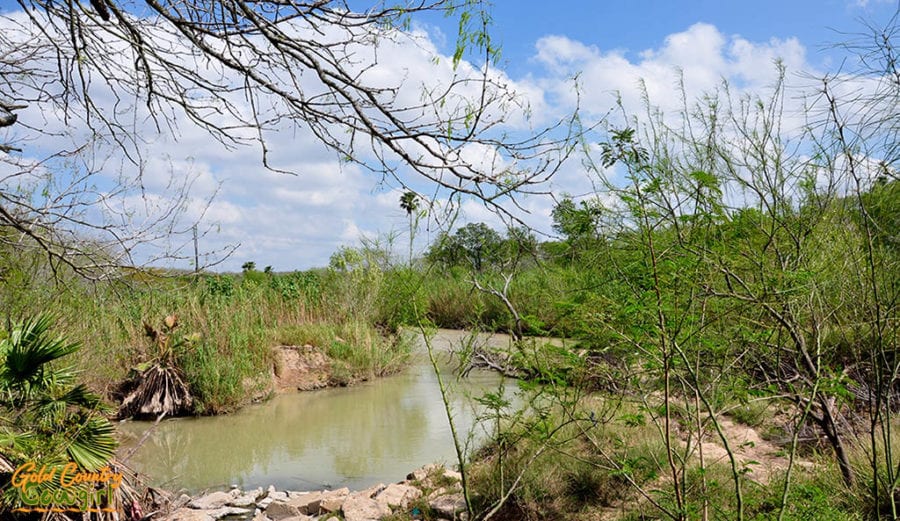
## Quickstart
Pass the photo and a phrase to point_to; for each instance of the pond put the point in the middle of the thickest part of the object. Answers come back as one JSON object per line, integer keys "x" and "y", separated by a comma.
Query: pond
{"x": 358, "y": 436}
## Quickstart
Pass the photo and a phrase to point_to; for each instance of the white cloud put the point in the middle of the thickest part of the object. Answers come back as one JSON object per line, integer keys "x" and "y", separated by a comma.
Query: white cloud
{"x": 700, "y": 58}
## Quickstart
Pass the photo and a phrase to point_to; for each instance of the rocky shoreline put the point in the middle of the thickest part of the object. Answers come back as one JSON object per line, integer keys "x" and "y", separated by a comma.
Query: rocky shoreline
{"x": 432, "y": 492}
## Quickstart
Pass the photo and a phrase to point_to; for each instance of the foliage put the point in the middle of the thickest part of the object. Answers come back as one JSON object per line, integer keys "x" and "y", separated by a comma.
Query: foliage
{"x": 475, "y": 245}
{"x": 46, "y": 417}
{"x": 578, "y": 224}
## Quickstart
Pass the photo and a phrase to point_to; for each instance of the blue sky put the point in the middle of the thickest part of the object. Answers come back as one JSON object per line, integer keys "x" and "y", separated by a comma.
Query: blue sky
{"x": 296, "y": 222}
{"x": 634, "y": 26}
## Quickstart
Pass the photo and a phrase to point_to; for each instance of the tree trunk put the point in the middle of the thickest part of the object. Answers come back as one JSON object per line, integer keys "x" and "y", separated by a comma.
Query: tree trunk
{"x": 829, "y": 426}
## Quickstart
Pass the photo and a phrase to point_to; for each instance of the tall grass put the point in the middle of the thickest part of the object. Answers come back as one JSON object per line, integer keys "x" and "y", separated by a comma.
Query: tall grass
{"x": 237, "y": 321}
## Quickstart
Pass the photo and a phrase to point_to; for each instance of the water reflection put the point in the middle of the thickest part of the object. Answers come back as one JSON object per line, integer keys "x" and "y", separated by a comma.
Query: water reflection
{"x": 356, "y": 437}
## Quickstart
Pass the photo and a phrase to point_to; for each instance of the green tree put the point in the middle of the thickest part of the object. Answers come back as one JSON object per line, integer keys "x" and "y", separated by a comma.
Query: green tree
{"x": 578, "y": 224}
{"x": 476, "y": 245}
{"x": 409, "y": 202}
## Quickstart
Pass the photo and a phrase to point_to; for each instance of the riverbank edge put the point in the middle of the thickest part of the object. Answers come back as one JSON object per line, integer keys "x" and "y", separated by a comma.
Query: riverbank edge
{"x": 430, "y": 492}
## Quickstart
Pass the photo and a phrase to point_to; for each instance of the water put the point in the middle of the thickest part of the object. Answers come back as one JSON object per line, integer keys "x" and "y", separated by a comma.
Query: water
{"x": 356, "y": 437}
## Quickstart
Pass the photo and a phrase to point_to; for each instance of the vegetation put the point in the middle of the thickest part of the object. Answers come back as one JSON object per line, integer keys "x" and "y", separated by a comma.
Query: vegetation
{"x": 46, "y": 416}
{"x": 732, "y": 278}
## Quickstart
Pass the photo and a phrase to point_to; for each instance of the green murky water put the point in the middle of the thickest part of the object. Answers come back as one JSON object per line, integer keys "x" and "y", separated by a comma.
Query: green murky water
{"x": 356, "y": 437}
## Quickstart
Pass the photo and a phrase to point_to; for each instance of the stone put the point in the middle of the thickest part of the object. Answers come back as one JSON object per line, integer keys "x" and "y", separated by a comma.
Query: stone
{"x": 398, "y": 495}
{"x": 360, "y": 508}
{"x": 422, "y": 473}
{"x": 372, "y": 491}
{"x": 260, "y": 516}
{"x": 443, "y": 491}
{"x": 278, "y": 510}
{"x": 307, "y": 502}
{"x": 449, "y": 505}
{"x": 279, "y": 495}
{"x": 333, "y": 500}
{"x": 452, "y": 475}
{"x": 189, "y": 514}
{"x": 212, "y": 501}
{"x": 219, "y": 513}
{"x": 272, "y": 495}
{"x": 247, "y": 499}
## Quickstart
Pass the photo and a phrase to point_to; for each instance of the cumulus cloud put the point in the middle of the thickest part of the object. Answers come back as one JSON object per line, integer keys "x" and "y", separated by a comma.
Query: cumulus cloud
{"x": 699, "y": 58}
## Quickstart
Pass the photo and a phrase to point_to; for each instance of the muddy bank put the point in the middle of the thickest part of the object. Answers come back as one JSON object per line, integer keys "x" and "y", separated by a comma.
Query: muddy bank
{"x": 301, "y": 368}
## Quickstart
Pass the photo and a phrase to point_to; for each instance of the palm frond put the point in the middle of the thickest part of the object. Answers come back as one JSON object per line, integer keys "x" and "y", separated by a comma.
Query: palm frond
{"x": 94, "y": 444}
{"x": 27, "y": 351}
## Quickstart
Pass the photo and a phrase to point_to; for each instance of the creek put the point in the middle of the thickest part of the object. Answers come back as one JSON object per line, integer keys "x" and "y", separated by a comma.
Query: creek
{"x": 358, "y": 436}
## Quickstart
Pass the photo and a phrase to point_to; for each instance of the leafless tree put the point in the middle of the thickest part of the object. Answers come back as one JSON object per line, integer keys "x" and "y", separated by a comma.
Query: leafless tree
{"x": 75, "y": 205}
{"x": 243, "y": 69}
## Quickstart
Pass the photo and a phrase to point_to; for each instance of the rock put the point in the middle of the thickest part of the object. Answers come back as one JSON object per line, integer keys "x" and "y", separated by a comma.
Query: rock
{"x": 333, "y": 500}
{"x": 449, "y": 505}
{"x": 422, "y": 473}
{"x": 189, "y": 514}
{"x": 278, "y": 510}
{"x": 219, "y": 513}
{"x": 212, "y": 501}
{"x": 260, "y": 517}
{"x": 372, "y": 491}
{"x": 247, "y": 499}
{"x": 360, "y": 508}
{"x": 279, "y": 495}
{"x": 443, "y": 491}
{"x": 272, "y": 495}
{"x": 307, "y": 502}
{"x": 452, "y": 475}
{"x": 398, "y": 495}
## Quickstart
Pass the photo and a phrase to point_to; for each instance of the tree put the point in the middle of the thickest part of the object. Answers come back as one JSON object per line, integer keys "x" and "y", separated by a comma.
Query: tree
{"x": 578, "y": 224}
{"x": 409, "y": 202}
{"x": 243, "y": 69}
{"x": 73, "y": 204}
{"x": 475, "y": 245}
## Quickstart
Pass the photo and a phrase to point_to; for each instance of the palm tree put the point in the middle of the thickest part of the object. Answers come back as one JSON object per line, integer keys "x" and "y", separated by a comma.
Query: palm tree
{"x": 409, "y": 202}
{"x": 45, "y": 416}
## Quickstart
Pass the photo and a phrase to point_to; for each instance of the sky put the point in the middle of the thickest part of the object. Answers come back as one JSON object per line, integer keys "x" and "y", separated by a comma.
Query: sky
{"x": 297, "y": 221}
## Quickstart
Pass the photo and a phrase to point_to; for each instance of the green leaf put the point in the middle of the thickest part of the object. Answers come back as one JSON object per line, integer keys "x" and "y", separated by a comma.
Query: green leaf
{"x": 94, "y": 443}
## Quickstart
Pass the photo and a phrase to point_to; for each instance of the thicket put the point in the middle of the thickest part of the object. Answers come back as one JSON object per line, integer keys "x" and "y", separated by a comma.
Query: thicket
{"x": 732, "y": 272}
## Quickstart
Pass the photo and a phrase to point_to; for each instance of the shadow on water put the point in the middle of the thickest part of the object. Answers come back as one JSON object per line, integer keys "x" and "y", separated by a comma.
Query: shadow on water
{"x": 355, "y": 437}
